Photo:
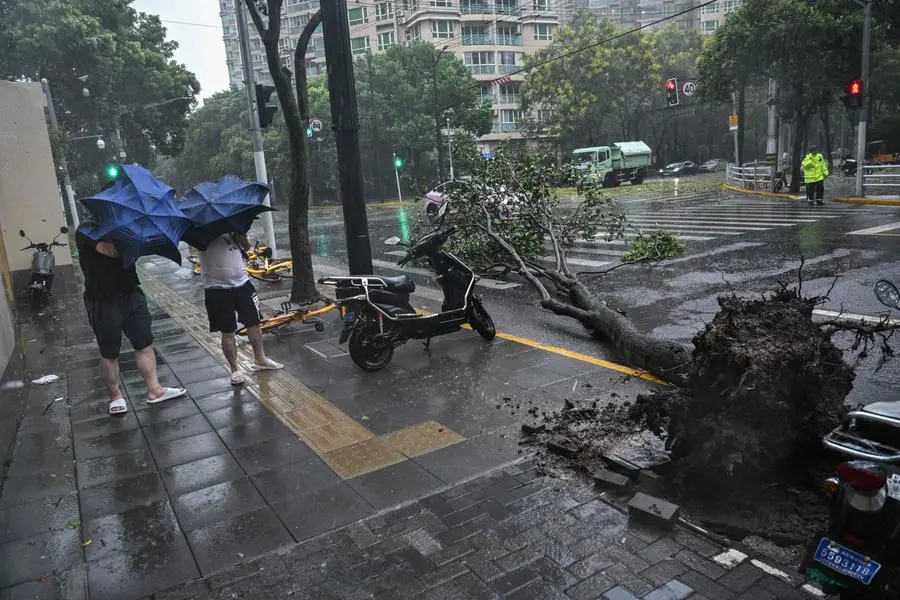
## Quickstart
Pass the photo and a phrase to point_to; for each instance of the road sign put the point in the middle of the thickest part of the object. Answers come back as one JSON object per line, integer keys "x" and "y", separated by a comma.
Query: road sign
{"x": 688, "y": 87}
{"x": 315, "y": 125}
{"x": 732, "y": 122}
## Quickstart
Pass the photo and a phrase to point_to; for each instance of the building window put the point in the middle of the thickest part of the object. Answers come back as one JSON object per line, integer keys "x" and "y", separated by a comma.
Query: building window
{"x": 708, "y": 26}
{"x": 384, "y": 11}
{"x": 543, "y": 31}
{"x": 357, "y": 16}
{"x": 284, "y": 44}
{"x": 259, "y": 59}
{"x": 544, "y": 115}
{"x": 359, "y": 45}
{"x": 441, "y": 3}
{"x": 509, "y": 93}
{"x": 730, "y": 6}
{"x": 710, "y": 9}
{"x": 226, "y": 4}
{"x": 508, "y": 115}
{"x": 385, "y": 40}
{"x": 543, "y": 5}
{"x": 478, "y": 58}
{"x": 442, "y": 29}
{"x": 413, "y": 34}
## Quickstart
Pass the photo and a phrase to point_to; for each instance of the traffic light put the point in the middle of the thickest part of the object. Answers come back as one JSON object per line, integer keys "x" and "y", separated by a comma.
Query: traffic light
{"x": 266, "y": 110}
{"x": 309, "y": 132}
{"x": 398, "y": 163}
{"x": 111, "y": 172}
{"x": 672, "y": 92}
{"x": 853, "y": 94}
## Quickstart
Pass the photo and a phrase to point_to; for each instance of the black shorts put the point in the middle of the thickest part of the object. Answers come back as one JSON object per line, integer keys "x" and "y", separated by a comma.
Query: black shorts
{"x": 115, "y": 315}
{"x": 225, "y": 306}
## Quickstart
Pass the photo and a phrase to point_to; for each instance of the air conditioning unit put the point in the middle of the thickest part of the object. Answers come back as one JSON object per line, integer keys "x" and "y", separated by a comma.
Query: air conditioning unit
{"x": 400, "y": 14}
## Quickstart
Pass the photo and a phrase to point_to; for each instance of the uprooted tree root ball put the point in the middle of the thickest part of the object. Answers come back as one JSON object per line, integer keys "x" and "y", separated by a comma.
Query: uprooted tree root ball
{"x": 765, "y": 384}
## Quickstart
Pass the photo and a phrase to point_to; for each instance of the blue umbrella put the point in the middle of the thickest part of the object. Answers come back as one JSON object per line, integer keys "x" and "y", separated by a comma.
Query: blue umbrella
{"x": 138, "y": 215}
{"x": 226, "y": 205}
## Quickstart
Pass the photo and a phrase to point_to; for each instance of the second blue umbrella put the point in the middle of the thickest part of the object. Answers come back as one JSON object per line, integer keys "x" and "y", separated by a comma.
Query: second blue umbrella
{"x": 226, "y": 205}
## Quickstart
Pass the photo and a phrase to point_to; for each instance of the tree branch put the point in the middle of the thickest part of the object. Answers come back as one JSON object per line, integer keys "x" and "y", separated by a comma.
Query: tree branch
{"x": 256, "y": 18}
{"x": 300, "y": 64}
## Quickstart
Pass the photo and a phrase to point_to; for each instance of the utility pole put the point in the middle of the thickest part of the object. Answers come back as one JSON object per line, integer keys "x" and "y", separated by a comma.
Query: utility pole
{"x": 259, "y": 157}
{"x": 345, "y": 120}
{"x": 397, "y": 177}
{"x": 737, "y": 158}
{"x": 63, "y": 165}
{"x": 772, "y": 133}
{"x": 864, "y": 109}
{"x": 450, "y": 147}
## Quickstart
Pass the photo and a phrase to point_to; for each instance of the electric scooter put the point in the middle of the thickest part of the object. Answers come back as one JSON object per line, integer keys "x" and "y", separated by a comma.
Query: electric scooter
{"x": 378, "y": 316}
{"x": 42, "y": 264}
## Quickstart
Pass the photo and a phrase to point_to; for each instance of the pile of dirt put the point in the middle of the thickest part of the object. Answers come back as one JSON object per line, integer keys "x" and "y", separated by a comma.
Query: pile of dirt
{"x": 765, "y": 385}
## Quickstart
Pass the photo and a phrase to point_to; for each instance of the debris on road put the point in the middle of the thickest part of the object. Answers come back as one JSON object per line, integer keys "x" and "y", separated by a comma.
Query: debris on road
{"x": 45, "y": 379}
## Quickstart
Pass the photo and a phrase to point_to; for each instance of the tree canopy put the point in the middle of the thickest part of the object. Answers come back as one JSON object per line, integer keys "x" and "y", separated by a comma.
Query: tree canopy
{"x": 121, "y": 56}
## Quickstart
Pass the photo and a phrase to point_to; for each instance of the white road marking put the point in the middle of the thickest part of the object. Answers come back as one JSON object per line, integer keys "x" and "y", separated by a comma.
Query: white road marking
{"x": 874, "y": 230}
{"x": 865, "y": 319}
{"x": 725, "y": 223}
{"x": 730, "y": 559}
{"x": 770, "y": 570}
{"x": 811, "y": 589}
{"x": 581, "y": 262}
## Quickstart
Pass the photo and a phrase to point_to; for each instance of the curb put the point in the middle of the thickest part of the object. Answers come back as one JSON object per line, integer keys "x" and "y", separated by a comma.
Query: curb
{"x": 731, "y": 188}
{"x": 875, "y": 201}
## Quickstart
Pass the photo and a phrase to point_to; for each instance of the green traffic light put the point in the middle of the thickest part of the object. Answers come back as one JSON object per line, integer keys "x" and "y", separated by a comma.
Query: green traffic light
{"x": 309, "y": 132}
{"x": 112, "y": 172}
{"x": 398, "y": 163}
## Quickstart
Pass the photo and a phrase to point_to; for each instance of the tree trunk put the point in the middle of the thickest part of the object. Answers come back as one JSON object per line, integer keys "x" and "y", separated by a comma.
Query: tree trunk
{"x": 797, "y": 151}
{"x": 303, "y": 286}
{"x": 742, "y": 97}
{"x": 826, "y": 127}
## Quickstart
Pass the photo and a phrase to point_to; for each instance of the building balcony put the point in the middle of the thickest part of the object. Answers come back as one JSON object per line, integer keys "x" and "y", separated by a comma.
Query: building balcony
{"x": 510, "y": 99}
{"x": 487, "y": 98}
{"x": 480, "y": 39}
{"x": 507, "y": 9}
{"x": 509, "y": 40}
{"x": 475, "y": 8}
{"x": 507, "y": 127}
{"x": 507, "y": 69}
{"x": 482, "y": 69}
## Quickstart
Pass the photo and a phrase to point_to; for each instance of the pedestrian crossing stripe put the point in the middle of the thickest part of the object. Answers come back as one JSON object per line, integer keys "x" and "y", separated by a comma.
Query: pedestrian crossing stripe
{"x": 876, "y": 230}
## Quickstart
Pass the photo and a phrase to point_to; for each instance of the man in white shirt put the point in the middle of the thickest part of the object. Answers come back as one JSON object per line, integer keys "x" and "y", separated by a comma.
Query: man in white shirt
{"x": 230, "y": 296}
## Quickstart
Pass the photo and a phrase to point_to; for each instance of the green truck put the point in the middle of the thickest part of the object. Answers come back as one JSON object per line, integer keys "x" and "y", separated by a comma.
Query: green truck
{"x": 611, "y": 165}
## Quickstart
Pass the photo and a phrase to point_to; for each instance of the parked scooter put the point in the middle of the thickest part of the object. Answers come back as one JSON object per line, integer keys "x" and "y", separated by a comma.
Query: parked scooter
{"x": 42, "y": 264}
{"x": 376, "y": 310}
{"x": 859, "y": 556}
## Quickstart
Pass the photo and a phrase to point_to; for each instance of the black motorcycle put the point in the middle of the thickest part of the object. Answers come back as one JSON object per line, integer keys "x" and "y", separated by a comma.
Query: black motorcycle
{"x": 859, "y": 555}
{"x": 378, "y": 316}
{"x": 42, "y": 265}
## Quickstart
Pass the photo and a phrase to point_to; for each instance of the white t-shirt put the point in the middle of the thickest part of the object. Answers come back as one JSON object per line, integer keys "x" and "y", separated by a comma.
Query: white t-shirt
{"x": 222, "y": 264}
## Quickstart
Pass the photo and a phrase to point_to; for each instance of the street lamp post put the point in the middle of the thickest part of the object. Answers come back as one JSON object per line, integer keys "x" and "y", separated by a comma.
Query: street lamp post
{"x": 63, "y": 165}
{"x": 397, "y": 177}
{"x": 864, "y": 109}
{"x": 450, "y": 147}
{"x": 437, "y": 116}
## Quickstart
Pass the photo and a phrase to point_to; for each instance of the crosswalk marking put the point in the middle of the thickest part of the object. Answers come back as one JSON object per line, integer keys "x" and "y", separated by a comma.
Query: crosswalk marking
{"x": 581, "y": 262}
{"x": 875, "y": 230}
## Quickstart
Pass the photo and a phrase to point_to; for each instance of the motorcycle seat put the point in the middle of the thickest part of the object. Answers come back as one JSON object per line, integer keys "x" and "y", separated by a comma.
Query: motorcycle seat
{"x": 400, "y": 284}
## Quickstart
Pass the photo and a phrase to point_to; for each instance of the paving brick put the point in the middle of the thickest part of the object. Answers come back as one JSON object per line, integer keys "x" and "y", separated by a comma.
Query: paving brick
{"x": 461, "y": 532}
{"x": 659, "y": 550}
{"x": 539, "y": 590}
{"x": 553, "y": 572}
{"x": 443, "y": 574}
{"x": 491, "y": 507}
{"x": 610, "y": 480}
{"x": 757, "y": 593}
{"x": 626, "y": 578}
{"x": 474, "y": 588}
{"x": 514, "y": 580}
{"x": 698, "y": 544}
{"x": 416, "y": 562}
{"x": 782, "y": 590}
{"x": 479, "y": 563}
{"x": 673, "y": 590}
{"x": 741, "y": 577}
{"x": 652, "y": 510}
{"x": 520, "y": 557}
{"x": 452, "y": 552}
{"x": 590, "y": 588}
{"x": 698, "y": 563}
{"x": 619, "y": 593}
{"x": 706, "y": 586}
{"x": 663, "y": 571}
{"x": 588, "y": 566}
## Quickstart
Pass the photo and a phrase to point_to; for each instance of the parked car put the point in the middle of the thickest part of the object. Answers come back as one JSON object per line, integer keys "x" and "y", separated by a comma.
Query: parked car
{"x": 433, "y": 200}
{"x": 678, "y": 169}
{"x": 712, "y": 165}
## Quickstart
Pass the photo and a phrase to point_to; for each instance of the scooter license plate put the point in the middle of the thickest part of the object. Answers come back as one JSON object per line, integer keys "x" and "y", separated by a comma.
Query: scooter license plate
{"x": 846, "y": 561}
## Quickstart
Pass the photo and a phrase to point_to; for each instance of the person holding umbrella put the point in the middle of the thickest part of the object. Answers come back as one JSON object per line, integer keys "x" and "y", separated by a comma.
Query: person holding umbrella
{"x": 221, "y": 213}
{"x": 133, "y": 217}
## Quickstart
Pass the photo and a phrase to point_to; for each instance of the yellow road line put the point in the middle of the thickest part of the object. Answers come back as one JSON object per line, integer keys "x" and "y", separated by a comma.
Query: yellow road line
{"x": 875, "y": 201}
{"x": 731, "y": 188}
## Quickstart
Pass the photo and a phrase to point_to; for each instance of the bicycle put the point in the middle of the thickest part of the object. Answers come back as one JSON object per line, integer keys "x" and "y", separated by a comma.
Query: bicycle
{"x": 288, "y": 315}
{"x": 260, "y": 264}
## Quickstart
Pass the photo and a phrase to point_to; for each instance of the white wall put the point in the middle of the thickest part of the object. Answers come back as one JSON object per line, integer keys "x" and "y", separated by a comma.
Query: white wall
{"x": 29, "y": 194}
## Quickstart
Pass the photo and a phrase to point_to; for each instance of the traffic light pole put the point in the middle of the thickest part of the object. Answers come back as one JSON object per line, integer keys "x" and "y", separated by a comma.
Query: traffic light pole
{"x": 397, "y": 177}
{"x": 345, "y": 120}
{"x": 864, "y": 109}
{"x": 259, "y": 157}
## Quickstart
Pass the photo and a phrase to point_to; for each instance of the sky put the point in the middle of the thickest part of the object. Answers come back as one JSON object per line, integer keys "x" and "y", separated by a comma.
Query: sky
{"x": 196, "y": 26}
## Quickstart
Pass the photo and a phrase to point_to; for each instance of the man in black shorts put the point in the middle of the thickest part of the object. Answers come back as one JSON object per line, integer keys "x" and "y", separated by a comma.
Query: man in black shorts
{"x": 231, "y": 297}
{"x": 115, "y": 305}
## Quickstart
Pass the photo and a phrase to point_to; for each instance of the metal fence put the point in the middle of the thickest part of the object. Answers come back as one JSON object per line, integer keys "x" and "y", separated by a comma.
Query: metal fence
{"x": 881, "y": 180}
{"x": 755, "y": 177}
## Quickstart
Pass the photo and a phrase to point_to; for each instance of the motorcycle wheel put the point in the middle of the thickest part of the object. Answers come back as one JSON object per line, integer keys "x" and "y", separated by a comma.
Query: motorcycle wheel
{"x": 480, "y": 320}
{"x": 363, "y": 354}
{"x": 35, "y": 297}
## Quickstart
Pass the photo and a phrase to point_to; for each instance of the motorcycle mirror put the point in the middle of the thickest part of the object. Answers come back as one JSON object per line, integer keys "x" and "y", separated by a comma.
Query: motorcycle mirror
{"x": 392, "y": 241}
{"x": 442, "y": 209}
{"x": 887, "y": 293}
{"x": 21, "y": 233}
{"x": 64, "y": 229}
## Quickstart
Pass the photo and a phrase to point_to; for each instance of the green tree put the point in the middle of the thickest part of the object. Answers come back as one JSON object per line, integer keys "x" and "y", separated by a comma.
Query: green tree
{"x": 130, "y": 74}
{"x": 402, "y": 94}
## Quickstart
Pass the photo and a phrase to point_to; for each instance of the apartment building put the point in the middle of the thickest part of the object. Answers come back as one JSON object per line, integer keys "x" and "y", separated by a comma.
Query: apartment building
{"x": 491, "y": 37}
{"x": 641, "y": 13}
{"x": 713, "y": 15}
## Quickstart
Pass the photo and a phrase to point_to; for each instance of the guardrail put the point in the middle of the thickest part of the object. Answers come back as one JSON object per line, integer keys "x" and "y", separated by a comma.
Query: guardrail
{"x": 881, "y": 180}
{"x": 756, "y": 177}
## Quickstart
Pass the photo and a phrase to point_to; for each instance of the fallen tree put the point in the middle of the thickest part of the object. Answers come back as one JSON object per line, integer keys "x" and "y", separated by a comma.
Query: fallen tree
{"x": 763, "y": 381}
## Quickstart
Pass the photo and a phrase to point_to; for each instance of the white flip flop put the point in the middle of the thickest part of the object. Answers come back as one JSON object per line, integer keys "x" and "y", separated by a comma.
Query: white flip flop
{"x": 118, "y": 407}
{"x": 170, "y": 394}
{"x": 237, "y": 378}
{"x": 270, "y": 365}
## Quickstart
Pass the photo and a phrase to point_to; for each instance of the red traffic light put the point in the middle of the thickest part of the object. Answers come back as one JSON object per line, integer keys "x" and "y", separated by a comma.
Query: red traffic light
{"x": 671, "y": 85}
{"x": 854, "y": 88}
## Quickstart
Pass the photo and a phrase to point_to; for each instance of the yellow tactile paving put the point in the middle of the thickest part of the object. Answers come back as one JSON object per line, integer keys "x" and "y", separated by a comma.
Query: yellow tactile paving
{"x": 349, "y": 448}
{"x": 422, "y": 438}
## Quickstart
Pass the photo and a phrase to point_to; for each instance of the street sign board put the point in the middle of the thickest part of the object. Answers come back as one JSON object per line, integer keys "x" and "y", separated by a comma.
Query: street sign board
{"x": 688, "y": 87}
{"x": 315, "y": 125}
{"x": 732, "y": 122}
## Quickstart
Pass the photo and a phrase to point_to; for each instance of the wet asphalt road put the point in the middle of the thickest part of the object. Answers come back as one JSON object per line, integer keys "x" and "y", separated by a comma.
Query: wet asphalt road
{"x": 732, "y": 242}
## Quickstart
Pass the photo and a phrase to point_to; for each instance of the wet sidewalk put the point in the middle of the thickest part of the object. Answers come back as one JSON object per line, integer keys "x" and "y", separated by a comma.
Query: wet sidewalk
{"x": 290, "y": 486}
